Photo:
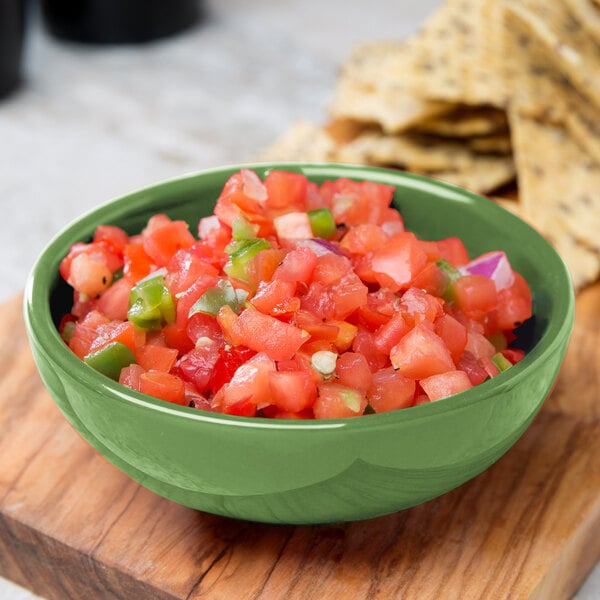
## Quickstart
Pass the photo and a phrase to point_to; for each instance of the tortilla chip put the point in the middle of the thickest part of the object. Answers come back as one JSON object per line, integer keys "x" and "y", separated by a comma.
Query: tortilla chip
{"x": 558, "y": 182}
{"x": 588, "y": 14}
{"x": 371, "y": 89}
{"x": 466, "y": 122}
{"x": 455, "y": 54}
{"x": 539, "y": 89}
{"x": 567, "y": 44}
{"x": 451, "y": 161}
{"x": 302, "y": 142}
{"x": 491, "y": 144}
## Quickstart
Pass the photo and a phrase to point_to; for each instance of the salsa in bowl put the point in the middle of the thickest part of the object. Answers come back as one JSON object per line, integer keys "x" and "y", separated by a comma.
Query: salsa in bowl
{"x": 305, "y": 470}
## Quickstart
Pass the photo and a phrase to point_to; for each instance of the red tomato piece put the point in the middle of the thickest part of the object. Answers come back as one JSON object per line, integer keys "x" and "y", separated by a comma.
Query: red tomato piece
{"x": 445, "y": 384}
{"x": 184, "y": 268}
{"x": 286, "y": 190}
{"x": 453, "y": 250}
{"x": 198, "y": 365}
{"x": 363, "y": 238}
{"x": 352, "y": 370}
{"x": 474, "y": 295}
{"x": 390, "y": 333}
{"x": 390, "y": 390}
{"x": 113, "y": 236}
{"x": 249, "y": 385}
{"x": 276, "y": 297}
{"x": 157, "y": 358}
{"x": 336, "y": 401}
{"x": 114, "y": 302}
{"x": 417, "y": 305}
{"x": 137, "y": 264}
{"x": 163, "y": 385}
{"x": 514, "y": 304}
{"x": 130, "y": 376}
{"x": 292, "y": 391}
{"x": 397, "y": 263}
{"x": 264, "y": 333}
{"x": 454, "y": 334}
{"x": 161, "y": 243}
{"x": 297, "y": 265}
{"x": 421, "y": 353}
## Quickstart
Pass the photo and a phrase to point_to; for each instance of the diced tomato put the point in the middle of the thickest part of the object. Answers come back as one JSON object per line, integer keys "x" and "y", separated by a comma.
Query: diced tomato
{"x": 514, "y": 304}
{"x": 432, "y": 280}
{"x": 161, "y": 243}
{"x": 186, "y": 300}
{"x": 390, "y": 333}
{"x": 346, "y": 334}
{"x": 478, "y": 345}
{"x": 249, "y": 384}
{"x": 421, "y": 353}
{"x": 130, "y": 376}
{"x": 201, "y": 325}
{"x": 262, "y": 266}
{"x": 184, "y": 268}
{"x": 474, "y": 295}
{"x": 472, "y": 367}
{"x": 197, "y": 366}
{"x": 316, "y": 327}
{"x": 117, "y": 331}
{"x": 445, "y": 384}
{"x": 157, "y": 358}
{"x": 336, "y": 401}
{"x": 114, "y": 302}
{"x": 364, "y": 238}
{"x": 417, "y": 305}
{"x": 514, "y": 355}
{"x": 296, "y": 265}
{"x": 364, "y": 343}
{"x": 390, "y": 390}
{"x": 163, "y": 385}
{"x": 177, "y": 337}
{"x": 453, "y": 250}
{"x": 230, "y": 358}
{"x": 264, "y": 333}
{"x": 292, "y": 391}
{"x": 352, "y": 370}
{"x": 243, "y": 194}
{"x": 286, "y": 190}
{"x": 113, "y": 236}
{"x": 137, "y": 264}
{"x": 398, "y": 262}
{"x": 276, "y": 297}
{"x": 453, "y": 333}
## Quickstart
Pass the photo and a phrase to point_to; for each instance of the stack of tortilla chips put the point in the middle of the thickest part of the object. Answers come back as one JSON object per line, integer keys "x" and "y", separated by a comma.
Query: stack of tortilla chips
{"x": 487, "y": 94}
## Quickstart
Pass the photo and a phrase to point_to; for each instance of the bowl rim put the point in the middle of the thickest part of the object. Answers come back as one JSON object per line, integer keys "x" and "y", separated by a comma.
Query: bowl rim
{"x": 44, "y": 335}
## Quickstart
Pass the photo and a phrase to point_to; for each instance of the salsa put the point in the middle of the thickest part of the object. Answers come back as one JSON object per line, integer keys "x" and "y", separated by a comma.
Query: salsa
{"x": 293, "y": 300}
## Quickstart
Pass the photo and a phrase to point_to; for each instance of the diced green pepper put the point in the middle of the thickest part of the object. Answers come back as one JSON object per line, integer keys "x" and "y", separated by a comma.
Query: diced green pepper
{"x": 241, "y": 229}
{"x": 238, "y": 260}
{"x": 150, "y": 302}
{"x": 68, "y": 331}
{"x": 501, "y": 361}
{"x": 451, "y": 273}
{"x": 216, "y": 297}
{"x": 111, "y": 359}
{"x": 322, "y": 222}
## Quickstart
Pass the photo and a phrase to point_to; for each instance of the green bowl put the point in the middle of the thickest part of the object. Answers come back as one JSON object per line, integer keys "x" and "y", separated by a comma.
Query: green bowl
{"x": 300, "y": 472}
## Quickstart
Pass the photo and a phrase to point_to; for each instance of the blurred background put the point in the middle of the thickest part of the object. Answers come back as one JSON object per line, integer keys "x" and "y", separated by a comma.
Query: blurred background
{"x": 211, "y": 83}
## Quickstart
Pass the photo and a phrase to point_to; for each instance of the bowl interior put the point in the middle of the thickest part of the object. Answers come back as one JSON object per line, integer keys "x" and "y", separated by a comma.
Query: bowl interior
{"x": 431, "y": 209}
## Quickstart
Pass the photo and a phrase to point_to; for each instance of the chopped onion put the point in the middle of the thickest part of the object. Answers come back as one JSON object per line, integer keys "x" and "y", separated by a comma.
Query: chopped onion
{"x": 324, "y": 361}
{"x": 320, "y": 246}
{"x": 494, "y": 266}
{"x": 208, "y": 224}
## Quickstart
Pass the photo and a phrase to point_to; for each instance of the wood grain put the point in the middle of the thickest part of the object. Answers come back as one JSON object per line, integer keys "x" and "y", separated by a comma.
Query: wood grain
{"x": 73, "y": 527}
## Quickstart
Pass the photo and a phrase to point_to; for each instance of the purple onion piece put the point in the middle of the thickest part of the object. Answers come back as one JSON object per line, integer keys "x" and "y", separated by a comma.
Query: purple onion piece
{"x": 493, "y": 265}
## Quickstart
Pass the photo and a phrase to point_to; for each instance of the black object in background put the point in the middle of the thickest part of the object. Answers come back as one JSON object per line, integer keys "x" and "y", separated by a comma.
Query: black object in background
{"x": 118, "y": 21}
{"x": 12, "y": 32}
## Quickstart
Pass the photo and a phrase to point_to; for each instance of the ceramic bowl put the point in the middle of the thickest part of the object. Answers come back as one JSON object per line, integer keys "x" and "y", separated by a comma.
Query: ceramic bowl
{"x": 301, "y": 472}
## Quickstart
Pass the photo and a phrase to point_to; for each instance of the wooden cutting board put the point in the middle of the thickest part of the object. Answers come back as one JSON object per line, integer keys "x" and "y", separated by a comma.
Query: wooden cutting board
{"x": 72, "y": 526}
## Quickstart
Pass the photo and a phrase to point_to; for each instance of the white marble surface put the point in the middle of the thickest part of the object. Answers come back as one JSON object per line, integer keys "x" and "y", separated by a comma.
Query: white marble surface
{"x": 94, "y": 123}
